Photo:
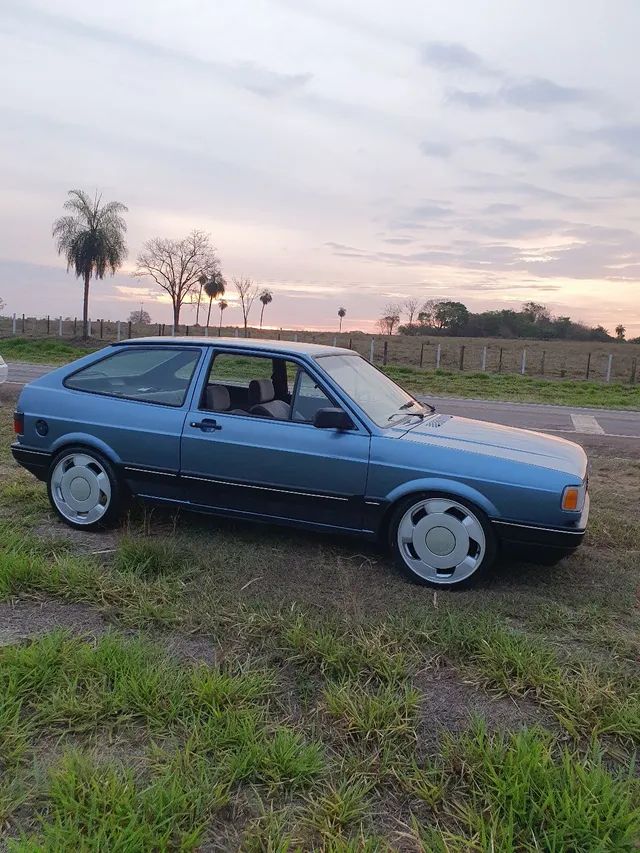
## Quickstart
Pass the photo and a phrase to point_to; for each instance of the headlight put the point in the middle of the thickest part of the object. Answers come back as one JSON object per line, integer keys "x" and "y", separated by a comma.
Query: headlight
{"x": 573, "y": 498}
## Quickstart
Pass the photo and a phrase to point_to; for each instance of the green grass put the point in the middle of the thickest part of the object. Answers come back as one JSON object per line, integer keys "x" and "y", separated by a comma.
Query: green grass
{"x": 323, "y": 718}
{"x": 42, "y": 351}
{"x": 524, "y": 389}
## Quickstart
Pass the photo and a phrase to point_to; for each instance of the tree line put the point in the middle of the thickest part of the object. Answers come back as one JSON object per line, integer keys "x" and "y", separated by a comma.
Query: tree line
{"x": 91, "y": 236}
{"x": 449, "y": 317}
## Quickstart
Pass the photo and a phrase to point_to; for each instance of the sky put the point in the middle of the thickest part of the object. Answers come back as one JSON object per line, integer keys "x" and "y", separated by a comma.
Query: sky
{"x": 339, "y": 154}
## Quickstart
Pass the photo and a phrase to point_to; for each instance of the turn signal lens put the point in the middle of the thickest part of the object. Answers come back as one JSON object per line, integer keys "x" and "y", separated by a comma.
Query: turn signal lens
{"x": 571, "y": 498}
{"x": 18, "y": 423}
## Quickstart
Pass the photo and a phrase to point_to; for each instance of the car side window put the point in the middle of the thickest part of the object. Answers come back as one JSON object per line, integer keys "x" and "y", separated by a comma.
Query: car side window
{"x": 159, "y": 375}
{"x": 308, "y": 398}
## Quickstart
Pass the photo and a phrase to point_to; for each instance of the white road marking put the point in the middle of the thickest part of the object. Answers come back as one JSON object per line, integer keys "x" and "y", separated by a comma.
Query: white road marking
{"x": 586, "y": 424}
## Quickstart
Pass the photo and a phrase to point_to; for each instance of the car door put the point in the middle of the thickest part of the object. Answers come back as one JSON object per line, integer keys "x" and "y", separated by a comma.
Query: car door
{"x": 283, "y": 469}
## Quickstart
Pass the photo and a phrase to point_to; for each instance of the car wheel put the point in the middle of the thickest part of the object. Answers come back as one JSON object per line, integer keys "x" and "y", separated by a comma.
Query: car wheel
{"x": 84, "y": 489}
{"x": 441, "y": 541}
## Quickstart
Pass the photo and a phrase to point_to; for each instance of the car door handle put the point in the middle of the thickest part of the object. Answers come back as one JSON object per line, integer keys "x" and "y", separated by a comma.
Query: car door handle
{"x": 206, "y": 425}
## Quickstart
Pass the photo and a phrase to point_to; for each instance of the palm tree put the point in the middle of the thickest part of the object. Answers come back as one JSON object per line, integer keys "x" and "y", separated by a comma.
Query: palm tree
{"x": 91, "y": 238}
{"x": 265, "y": 297}
{"x": 214, "y": 288}
{"x": 620, "y": 332}
{"x": 221, "y": 305}
{"x": 342, "y": 312}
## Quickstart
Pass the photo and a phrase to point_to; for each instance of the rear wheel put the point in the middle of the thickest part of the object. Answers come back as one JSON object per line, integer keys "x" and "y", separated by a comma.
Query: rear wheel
{"x": 441, "y": 541}
{"x": 84, "y": 489}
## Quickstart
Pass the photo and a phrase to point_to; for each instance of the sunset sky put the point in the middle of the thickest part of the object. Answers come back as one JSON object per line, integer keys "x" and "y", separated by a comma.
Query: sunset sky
{"x": 338, "y": 153}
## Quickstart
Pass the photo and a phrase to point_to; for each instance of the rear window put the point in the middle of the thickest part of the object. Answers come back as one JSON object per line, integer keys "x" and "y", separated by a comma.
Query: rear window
{"x": 159, "y": 375}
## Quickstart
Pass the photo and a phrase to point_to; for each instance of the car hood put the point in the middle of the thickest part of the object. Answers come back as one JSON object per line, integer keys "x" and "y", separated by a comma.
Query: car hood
{"x": 504, "y": 442}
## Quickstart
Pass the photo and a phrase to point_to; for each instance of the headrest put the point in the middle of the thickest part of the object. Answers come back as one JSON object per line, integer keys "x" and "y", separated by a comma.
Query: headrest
{"x": 260, "y": 391}
{"x": 218, "y": 399}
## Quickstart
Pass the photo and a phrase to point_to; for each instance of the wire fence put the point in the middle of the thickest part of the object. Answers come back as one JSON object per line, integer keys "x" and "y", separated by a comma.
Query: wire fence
{"x": 604, "y": 362}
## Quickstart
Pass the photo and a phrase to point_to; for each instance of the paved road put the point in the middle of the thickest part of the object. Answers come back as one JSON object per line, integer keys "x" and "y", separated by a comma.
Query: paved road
{"x": 602, "y": 428}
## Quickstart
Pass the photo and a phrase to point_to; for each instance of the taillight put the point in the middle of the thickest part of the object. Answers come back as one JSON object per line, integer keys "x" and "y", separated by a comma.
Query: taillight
{"x": 18, "y": 423}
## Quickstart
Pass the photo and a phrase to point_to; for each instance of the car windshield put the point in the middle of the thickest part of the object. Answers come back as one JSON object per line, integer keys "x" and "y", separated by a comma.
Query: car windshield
{"x": 377, "y": 395}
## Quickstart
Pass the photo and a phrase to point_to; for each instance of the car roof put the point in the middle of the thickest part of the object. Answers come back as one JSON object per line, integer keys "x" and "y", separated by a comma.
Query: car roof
{"x": 297, "y": 347}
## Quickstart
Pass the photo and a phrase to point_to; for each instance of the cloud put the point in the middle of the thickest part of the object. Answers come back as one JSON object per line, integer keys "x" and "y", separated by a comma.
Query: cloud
{"x": 250, "y": 76}
{"x": 432, "y": 148}
{"x": 622, "y": 137}
{"x": 536, "y": 95}
{"x": 604, "y": 172}
{"x": 453, "y": 56}
{"x": 510, "y": 148}
{"x": 540, "y": 93}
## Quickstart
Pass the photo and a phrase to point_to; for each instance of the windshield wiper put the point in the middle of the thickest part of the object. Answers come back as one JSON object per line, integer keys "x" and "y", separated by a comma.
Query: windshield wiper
{"x": 411, "y": 403}
{"x": 401, "y": 414}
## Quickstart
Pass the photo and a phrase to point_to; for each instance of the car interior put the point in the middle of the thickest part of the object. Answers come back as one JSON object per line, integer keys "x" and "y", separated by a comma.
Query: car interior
{"x": 265, "y": 397}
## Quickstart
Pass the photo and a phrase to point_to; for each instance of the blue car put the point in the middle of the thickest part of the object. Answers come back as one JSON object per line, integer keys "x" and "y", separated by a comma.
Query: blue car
{"x": 299, "y": 434}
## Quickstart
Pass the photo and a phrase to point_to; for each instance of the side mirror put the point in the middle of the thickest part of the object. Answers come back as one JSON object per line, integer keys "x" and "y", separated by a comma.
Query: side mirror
{"x": 332, "y": 419}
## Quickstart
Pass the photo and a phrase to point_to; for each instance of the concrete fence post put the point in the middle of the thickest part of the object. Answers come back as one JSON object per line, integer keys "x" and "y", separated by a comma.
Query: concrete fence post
{"x": 173, "y": 330}
{"x": 372, "y": 349}
{"x": 588, "y": 366}
{"x": 89, "y": 328}
{"x": 206, "y": 331}
{"x": 118, "y": 330}
{"x": 523, "y": 361}
{"x": 609, "y": 363}
{"x": 13, "y": 325}
{"x": 544, "y": 353}
{"x": 295, "y": 338}
{"x": 60, "y": 327}
{"x": 484, "y": 359}
{"x": 335, "y": 341}
{"x": 237, "y": 333}
{"x": 385, "y": 352}
{"x": 438, "y": 354}
{"x": 421, "y": 354}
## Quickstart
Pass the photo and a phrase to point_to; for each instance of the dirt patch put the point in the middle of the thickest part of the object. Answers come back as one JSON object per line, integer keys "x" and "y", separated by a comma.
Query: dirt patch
{"x": 24, "y": 620}
{"x": 449, "y": 704}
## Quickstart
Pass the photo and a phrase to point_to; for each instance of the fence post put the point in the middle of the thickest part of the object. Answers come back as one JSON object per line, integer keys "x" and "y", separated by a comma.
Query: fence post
{"x": 75, "y": 326}
{"x": 13, "y": 325}
{"x": 48, "y": 324}
{"x": 609, "y": 360}
{"x": 634, "y": 364}
{"x": 523, "y": 361}
{"x": 544, "y": 352}
{"x": 462, "y": 357}
{"x": 23, "y": 324}
{"x": 421, "y": 354}
{"x": 335, "y": 341}
{"x": 237, "y": 332}
{"x": 206, "y": 331}
{"x": 385, "y": 352}
{"x": 484, "y": 359}
{"x": 60, "y": 327}
{"x": 438, "y": 351}
{"x": 162, "y": 333}
{"x": 118, "y": 332}
{"x": 350, "y": 343}
{"x": 89, "y": 329}
{"x": 159, "y": 328}
{"x": 129, "y": 329}
{"x": 101, "y": 328}
{"x": 588, "y": 365}
{"x": 295, "y": 338}
{"x": 500, "y": 362}
{"x": 372, "y": 349}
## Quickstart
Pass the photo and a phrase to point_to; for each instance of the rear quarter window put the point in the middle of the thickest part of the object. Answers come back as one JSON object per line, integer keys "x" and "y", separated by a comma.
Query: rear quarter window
{"x": 160, "y": 375}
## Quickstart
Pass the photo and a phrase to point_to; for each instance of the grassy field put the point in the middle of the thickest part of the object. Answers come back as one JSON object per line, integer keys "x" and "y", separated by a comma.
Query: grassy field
{"x": 418, "y": 381}
{"x": 551, "y": 359}
{"x": 186, "y": 683}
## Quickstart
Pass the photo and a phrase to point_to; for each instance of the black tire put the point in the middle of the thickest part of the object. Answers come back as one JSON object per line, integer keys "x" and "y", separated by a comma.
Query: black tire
{"x": 116, "y": 502}
{"x": 489, "y": 545}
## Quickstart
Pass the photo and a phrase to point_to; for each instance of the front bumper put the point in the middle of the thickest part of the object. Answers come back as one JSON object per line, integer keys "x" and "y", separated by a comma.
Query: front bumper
{"x": 540, "y": 544}
{"x": 35, "y": 461}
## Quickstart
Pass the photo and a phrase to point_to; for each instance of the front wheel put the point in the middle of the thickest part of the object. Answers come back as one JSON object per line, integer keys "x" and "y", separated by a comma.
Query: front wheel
{"x": 84, "y": 489}
{"x": 441, "y": 541}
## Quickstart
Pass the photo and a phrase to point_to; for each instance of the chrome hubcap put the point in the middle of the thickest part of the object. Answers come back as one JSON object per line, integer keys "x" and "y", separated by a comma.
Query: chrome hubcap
{"x": 441, "y": 540}
{"x": 80, "y": 488}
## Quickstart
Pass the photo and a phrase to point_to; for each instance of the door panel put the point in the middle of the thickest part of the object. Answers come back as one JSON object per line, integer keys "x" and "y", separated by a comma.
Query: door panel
{"x": 276, "y": 468}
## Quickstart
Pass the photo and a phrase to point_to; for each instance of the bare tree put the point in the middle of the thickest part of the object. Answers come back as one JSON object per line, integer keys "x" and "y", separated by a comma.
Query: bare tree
{"x": 410, "y": 306}
{"x": 342, "y": 313}
{"x": 177, "y": 266}
{"x": 222, "y": 304}
{"x": 265, "y": 297}
{"x": 140, "y": 316}
{"x": 389, "y": 320}
{"x": 247, "y": 293}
